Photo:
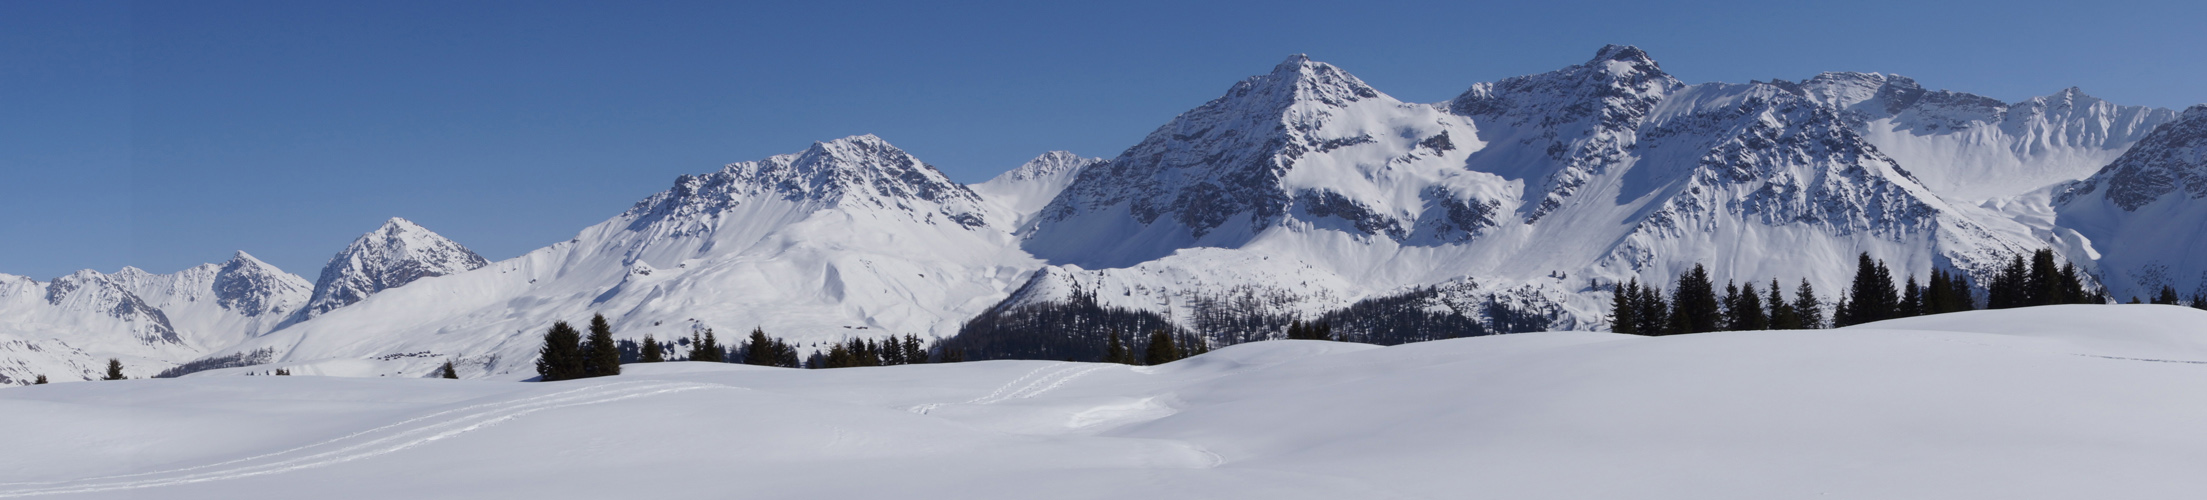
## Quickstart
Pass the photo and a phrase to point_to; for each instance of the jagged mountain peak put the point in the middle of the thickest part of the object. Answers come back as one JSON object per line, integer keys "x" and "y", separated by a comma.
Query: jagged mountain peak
{"x": 856, "y": 172}
{"x": 2172, "y": 157}
{"x": 1300, "y": 79}
{"x": 1622, "y": 53}
{"x": 1047, "y": 164}
{"x": 1616, "y": 87}
{"x": 394, "y": 254}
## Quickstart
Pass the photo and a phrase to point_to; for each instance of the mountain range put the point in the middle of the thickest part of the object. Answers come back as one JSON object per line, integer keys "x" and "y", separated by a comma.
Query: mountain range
{"x": 1298, "y": 192}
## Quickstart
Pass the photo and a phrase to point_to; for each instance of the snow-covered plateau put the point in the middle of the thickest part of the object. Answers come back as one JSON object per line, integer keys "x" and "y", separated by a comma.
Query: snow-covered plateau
{"x": 2055, "y": 402}
{"x": 1299, "y": 192}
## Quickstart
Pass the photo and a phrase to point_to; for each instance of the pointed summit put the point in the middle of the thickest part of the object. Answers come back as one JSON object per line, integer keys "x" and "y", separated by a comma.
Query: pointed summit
{"x": 1621, "y": 53}
{"x": 251, "y": 287}
{"x": 860, "y": 171}
{"x": 1299, "y": 79}
{"x": 397, "y": 253}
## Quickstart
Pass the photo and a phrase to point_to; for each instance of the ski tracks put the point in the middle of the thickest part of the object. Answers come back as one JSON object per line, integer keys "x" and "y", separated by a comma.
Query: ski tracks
{"x": 383, "y": 440}
{"x": 1033, "y": 385}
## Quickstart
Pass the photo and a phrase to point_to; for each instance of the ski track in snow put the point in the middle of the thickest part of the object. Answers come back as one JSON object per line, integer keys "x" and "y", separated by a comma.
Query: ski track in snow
{"x": 416, "y": 432}
{"x": 1014, "y": 390}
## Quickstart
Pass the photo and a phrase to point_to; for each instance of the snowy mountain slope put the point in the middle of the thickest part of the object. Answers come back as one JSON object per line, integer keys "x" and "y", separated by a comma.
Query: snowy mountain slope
{"x": 397, "y": 253}
{"x": 2145, "y": 215}
{"x": 1971, "y": 148}
{"x": 67, "y": 328}
{"x": 2050, "y": 402}
{"x": 851, "y": 237}
{"x": 1600, "y": 172}
{"x": 1031, "y": 186}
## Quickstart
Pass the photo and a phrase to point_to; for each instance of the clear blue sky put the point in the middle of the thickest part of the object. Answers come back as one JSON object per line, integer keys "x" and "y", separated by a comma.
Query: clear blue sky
{"x": 166, "y": 134}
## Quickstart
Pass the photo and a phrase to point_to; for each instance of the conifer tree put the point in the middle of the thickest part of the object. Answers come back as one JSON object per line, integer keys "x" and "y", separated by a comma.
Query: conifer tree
{"x": 1323, "y": 331}
{"x": 1161, "y": 349}
{"x": 1782, "y": 314}
{"x": 839, "y": 356}
{"x": 1872, "y": 297}
{"x": 1694, "y": 307}
{"x": 952, "y": 356}
{"x": 561, "y": 357}
{"x": 601, "y": 356}
{"x": 652, "y": 353}
{"x": 2167, "y": 296}
{"x": 892, "y": 351}
{"x": 706, "y": 348}
{"x": 1751, "y": 315}
{"x": 448, "y": 371}
{"x": 1115, "y": 350}
{"x": 2009, "y": 286}
{"x": 1295, "y": 331}
{"x": 759, "y": 350}
{"x": 1623, "y": 306}
{"x": 41, "y": 380}
{"x": 1911, "y": 300}
{"x": 1654, "y": 312}
{"x": 2072, "y": 285}
{"x": 2043, "y": 285}
{"x": 914, "y": 351}
{"x": 114, "y": 370}
{"x": 2199, "y": 296}
{"x": 1806, "y": 304}
{"x": 1731, "y": 303}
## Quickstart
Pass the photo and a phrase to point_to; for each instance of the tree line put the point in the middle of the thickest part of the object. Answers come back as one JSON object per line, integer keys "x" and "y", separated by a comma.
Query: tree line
{"x": 568, "y": 355}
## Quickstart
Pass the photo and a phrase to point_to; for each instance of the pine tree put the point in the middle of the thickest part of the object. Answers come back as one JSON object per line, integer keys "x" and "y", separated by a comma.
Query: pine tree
{"x": 2072, "y": 285}
{"x": 561, "y": 357}
{"x": 1161, "y": 349}
{"x": 1295, "y": 331}
{"x": 1623, "y": 306}
{"x": 2167, "y": 296}
{"x": 1782, "y": 315}
{"x": 652, "y": 353}
{"x": 114, "y": 370}
{"x": 1324, "y": 331}
{"x": 1911, "y": 300}
{"x": 1808, "y": 306}
{"x": 2009, "y": 287}
{"x": 448, "y": 371}
{"x": 1872, "y": 297}
{"x": 1654, "y": 312}
{"x": 706, "y": 348}
{"x": 1694, "y": 307}
{"x": 1115, "y": 351}
{"x": 914, "y": 351}
{"x": 839, "y": 356}
{"x": 1729, "y": 319}
{"x": 41, "y": 380}
{"x": 601, "y": 356}
{"x": 283, "y": 372}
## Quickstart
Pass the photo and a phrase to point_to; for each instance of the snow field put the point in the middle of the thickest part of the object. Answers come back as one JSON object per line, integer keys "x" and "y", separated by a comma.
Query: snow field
{"x": 2050, "y": 402}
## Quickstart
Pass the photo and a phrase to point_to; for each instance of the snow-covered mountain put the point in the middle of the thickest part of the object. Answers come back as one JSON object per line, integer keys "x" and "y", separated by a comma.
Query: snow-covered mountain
{"x": 2145, "y": 215}
{"x": 1299, "y": 192}
{"x": 1308, "y": 185}
{"x": 397, "y": 253}
{"x": 66, "y": 328}
{"x": 851, "y": 237}
{"x": 1969, "y": 147}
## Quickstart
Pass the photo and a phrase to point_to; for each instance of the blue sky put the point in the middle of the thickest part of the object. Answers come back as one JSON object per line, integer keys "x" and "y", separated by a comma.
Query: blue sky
{"x": 166, "y": 134}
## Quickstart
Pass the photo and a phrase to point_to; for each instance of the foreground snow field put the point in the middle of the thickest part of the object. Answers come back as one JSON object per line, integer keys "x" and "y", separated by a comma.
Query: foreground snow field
{"x": 2049, "y": 402}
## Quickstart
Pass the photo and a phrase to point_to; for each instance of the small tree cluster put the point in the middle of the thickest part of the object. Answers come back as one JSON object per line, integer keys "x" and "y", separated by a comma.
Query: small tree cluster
{"x": 1695, "y": 307}
{"x": 1315, "y": 331}
{"x": 706, "y": 347}
{"x": 2039, "y": 282}
{"x": 566, "y": 356}
{"x": 761, "y": 350}
{"x": 887, "y": 351}
{"x": 447, "y": 371}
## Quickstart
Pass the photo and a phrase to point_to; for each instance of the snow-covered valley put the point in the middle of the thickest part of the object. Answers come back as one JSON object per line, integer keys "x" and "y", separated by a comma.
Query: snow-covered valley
{"x": 2081, "y": 401}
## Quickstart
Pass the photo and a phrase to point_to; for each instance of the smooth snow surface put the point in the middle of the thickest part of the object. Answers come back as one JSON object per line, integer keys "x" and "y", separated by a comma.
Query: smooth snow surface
{"x": 2055, "y": 402}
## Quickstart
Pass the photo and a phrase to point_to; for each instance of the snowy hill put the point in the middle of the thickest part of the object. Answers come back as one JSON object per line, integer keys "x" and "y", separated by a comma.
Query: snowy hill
{"x": 2051, "y": 402}
{"x": 393, "y": 255}
{"x": 2145, "y": 214}
{"x": 851, "y": 237}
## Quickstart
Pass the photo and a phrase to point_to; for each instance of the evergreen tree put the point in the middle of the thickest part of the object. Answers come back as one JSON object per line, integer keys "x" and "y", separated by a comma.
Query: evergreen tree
{"x": 1911, "y": 300}
{"x": 1654, "y": 312}
{"x": 1623, "y": 304}
{"x": 892, "y": 351}
{"x": 1115, "y": 351}
{"x": 706, "y": 348}
{"x": 1295, "y": 331}
{"x": 1323, "y": 331}
{"x": 41, "y": 380}
{"x": 2072, "y": 285}
{"x": 652, "y": 353}
{"x": 2009, "y": 286}
{"x": 914, "y": 351}
{"x": 839, "y": 356}
{"x": 1161, "y": 349}
{"x": 760, "y": 350}
{"x": 2199, "y": 295}
{"x": 1748, "y": 313}
{"x": 953, "y": 356}
{"x": 448, "y": 371}
{"x": 114, "y": 370}
{"x": 561, "y": 358}
{"x": 1782, "y": 315}
{"x": 283, "y": 372}
{"x": 1731, "y": 302}
{"x": 1871, "y": 296}
{"x": 2167, "y": 296}
{"x": 1694, "y": 307}
{"x": 1808, "y": 306}
{"x": 601, "y": 356}
{"x": 2043, "y": 284}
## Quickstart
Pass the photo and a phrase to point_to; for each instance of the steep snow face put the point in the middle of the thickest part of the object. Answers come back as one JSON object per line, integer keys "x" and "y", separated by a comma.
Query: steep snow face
{"x": 2145, "y": 215}
{"x": 850, "y": 238}
{"x": 67, "y": 328}
{"x": 1025, "y": 190}
{"x": 1559, "y": 129}
{"x": 1306, "y": 146}
{"x": 1969, "y": 147}
{"x": 397, "y": 253}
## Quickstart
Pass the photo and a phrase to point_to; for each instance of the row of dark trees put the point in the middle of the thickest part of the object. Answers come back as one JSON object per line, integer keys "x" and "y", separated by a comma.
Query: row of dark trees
{"x": 888, "y": 351}
{"x": 567, "y": 355}
{"x": 1160, "y": 348}
{"x": 1693, "y": 305}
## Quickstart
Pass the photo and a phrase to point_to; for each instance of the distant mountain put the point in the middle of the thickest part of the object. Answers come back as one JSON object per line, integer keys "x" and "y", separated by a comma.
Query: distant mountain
{"x": 2145, "y": 214}
{"x": 397, "y": 253}
{"x": 68, "y": 327}
{"x": 1299, "y": 193}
